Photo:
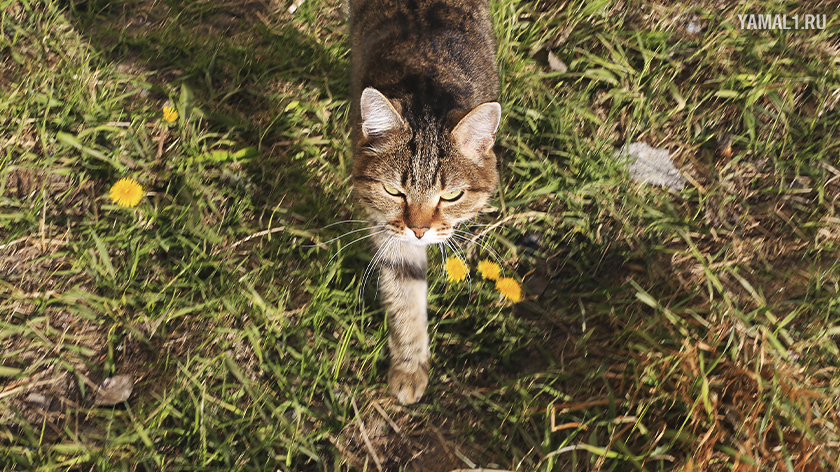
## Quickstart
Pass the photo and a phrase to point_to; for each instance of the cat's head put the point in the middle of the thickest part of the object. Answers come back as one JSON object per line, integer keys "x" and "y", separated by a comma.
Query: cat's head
{"x": 420, "y": 176}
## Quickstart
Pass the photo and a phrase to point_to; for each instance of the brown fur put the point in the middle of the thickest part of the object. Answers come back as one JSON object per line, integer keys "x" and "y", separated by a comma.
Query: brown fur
{"x": 423, "y": 122}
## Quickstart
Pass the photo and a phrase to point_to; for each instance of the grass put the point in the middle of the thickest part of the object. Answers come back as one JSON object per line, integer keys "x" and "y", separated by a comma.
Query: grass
{"x": 680, "y": 331}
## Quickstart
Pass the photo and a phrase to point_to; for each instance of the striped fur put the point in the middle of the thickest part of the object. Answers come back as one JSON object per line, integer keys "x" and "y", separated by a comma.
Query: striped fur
{"x": 424, "y": 119}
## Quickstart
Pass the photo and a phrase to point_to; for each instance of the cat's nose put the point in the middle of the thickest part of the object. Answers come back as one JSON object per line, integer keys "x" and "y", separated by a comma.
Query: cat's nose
{"x": 419, "y": 232}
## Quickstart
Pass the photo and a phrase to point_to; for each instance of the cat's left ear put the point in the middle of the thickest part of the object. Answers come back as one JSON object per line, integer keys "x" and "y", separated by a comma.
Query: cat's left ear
{"x": 379, "y": 117}
{"x": 475, "y": 134}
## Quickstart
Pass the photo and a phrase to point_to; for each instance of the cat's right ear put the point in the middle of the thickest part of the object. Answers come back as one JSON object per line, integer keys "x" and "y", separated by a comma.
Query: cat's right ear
{"x": 379, "y": 117}
{"x": 475, "y": 134}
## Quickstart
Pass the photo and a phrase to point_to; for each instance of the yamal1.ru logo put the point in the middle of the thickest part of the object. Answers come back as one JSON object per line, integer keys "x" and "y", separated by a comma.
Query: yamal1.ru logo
{"x": 779, "y": 22}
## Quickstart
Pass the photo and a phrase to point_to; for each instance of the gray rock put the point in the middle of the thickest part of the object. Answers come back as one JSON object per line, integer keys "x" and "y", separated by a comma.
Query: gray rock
{"x": 650, "y": 165}
{"x": 40, "y": 400}
{"x": 693, "y": 27}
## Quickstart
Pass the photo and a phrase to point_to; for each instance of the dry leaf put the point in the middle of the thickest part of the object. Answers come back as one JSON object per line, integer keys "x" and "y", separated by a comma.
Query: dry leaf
{"x": 115, "y": 390}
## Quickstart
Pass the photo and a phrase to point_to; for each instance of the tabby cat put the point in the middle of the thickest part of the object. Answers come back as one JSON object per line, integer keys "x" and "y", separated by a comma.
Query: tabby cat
{"x": 424, "y": 121}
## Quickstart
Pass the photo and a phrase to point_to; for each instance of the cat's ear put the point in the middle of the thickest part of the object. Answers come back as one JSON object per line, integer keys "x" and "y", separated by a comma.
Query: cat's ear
{"x": 379, "y": 117}
{"x": 475, "y": 134}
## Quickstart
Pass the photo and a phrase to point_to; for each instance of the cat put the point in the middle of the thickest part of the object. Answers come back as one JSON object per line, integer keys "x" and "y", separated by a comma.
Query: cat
{"x": 424, "y": 119}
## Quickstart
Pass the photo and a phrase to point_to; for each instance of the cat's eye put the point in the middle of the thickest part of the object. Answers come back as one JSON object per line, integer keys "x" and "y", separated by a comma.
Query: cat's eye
{"x": 452, "y": 196}
{"x": 392, "y": 191}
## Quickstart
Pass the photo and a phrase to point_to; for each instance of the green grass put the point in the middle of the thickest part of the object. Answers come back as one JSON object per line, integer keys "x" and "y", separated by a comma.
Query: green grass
{"x": 685, "y": 331}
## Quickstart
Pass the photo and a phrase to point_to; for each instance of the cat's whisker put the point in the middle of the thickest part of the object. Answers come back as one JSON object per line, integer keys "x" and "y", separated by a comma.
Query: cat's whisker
{"x": 388, "y": 249}
{"x": 361, "y": 295}
{"x": 376, "y": 263}
{"x": 442, "y": 250}
{"x": 482, "y": 225}
{"x": 473, "y": 238}
{"x": 484, "y": 228}
{"x": 377, "y": 258}
{"x": 343, "y": 235}
{"x": 460, "y": 255}
{"x": 343, "y": 222}
{"x": 495, "y": 255}
{"x": 480, "y": 242}
{"x": 486, "y": 225}
{"x": 354, "y": 242}
{"x": 470, "y": 235}
{"x": 501, "y": 223}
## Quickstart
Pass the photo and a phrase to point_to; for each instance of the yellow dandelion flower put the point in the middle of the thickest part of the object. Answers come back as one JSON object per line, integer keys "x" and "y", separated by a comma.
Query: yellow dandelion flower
{"x": 456, "y": 269}
{"x": 126, "y": 192}
{"x": 509, "y": 288}
{"x": 170, "y": 114}
{"x": 489, "y": 269}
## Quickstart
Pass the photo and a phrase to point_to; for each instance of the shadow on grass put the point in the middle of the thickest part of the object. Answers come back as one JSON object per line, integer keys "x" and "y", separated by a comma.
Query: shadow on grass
{"x": 245, "y": 64}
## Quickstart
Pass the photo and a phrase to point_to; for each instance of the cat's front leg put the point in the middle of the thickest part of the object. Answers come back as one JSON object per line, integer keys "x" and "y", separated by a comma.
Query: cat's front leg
{"x": 403, "y": 288}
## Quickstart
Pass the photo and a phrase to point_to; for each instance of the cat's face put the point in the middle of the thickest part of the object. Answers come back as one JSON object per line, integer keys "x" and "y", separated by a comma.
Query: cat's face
{"x": 420, "y": 183}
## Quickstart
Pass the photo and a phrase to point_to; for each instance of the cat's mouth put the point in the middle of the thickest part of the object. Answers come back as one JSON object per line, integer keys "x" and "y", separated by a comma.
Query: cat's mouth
{"x": 423, "y": 237}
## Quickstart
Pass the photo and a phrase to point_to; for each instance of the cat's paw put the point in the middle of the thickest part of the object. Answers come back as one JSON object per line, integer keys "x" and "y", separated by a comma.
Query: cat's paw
{"x": 408, "y": 381}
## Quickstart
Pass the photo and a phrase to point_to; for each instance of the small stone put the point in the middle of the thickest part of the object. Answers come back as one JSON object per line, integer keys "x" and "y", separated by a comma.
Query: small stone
{"x": 115, "y": 390}
{"x": 650, "y": 165}
{"x": 556, "y": 64}
{"x": 693, "y": 27}
{"x": 40, "y": 400}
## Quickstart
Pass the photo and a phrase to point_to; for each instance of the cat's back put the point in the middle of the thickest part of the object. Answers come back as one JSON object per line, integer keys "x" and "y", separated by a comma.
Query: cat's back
{"x": 438, "y": 54}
